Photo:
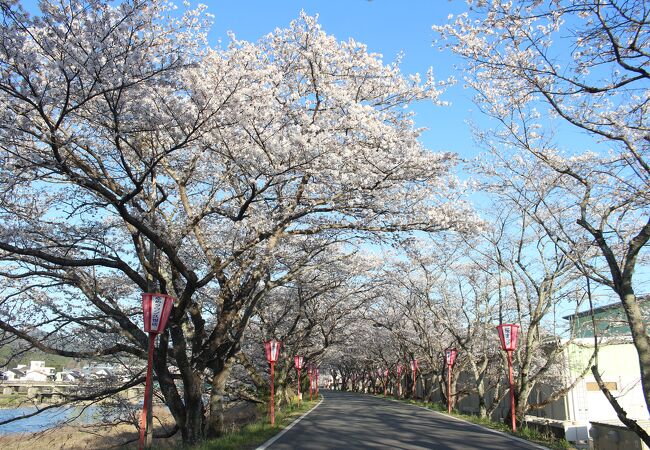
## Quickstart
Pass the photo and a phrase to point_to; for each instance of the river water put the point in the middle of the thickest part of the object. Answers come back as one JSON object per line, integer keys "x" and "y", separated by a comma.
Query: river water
{"x": 46, "y": 419}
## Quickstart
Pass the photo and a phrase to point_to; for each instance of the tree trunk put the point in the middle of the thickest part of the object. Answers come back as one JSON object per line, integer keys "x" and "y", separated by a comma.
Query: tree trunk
{"x": 192, "y": 432}
{"x": 622, "y": 285}
{"x": 639, "y": 337}
{"x": 170, "y": 393}
{"x": 521, "y": 399}
{"x": 480, "y": 391}
{"x": 283, "y": 389}
{"x": 193, "y": 410}
{"x": 215, "y": 425}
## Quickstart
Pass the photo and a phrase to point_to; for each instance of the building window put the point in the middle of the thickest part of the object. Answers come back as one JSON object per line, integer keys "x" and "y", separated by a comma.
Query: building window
{"x": 610, "y": 385}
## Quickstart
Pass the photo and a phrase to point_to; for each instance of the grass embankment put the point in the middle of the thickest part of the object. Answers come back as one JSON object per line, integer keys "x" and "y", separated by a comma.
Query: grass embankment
{"x": 252, "y": 435}
{"x": 79, "y": 437}
{"x": 91, "y": 436}
{"x": 12, "y": 401}
{"x": 529, "y": 434}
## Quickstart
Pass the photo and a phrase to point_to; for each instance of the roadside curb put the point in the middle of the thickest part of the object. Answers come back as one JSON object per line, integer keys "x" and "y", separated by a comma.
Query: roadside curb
{"x": 458, "y": 419}
{"x": 271, "y": 441}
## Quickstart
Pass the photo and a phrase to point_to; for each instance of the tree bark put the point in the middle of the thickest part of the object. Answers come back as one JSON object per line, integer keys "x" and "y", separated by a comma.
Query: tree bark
{"x": 215, "y": 424}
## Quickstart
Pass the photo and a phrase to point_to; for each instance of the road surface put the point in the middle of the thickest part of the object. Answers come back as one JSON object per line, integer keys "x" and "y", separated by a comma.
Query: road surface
{"x": 352, "y": 421}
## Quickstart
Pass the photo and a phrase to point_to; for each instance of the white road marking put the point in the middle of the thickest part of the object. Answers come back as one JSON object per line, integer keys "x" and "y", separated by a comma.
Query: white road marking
{"x": 270, "y": 442}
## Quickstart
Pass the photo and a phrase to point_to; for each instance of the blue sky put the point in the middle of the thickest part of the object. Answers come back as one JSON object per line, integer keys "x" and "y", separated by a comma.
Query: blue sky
{"x": 385, "y": 26}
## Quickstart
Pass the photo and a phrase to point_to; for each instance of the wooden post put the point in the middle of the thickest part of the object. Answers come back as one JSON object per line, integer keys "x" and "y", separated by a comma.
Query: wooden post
{"x": 146, "y": 419}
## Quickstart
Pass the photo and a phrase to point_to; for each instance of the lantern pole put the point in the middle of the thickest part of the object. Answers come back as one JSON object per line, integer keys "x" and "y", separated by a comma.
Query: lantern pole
{"x": 414, "y": 369}
{"x": 297, "y": 362}
{"x": 450, "y": 358}
{"x": 146, "y": 417}
{"x": 512, "y": 393}
{"x": 508, "y": 336}
{"x": 299, "y": 396}
{"x": 399, "y": 381}
{"x": 448, "y": 389}
{"x": 156, "y": 309}
{"x": 272, "y": 348}
{"x": 310, "y": 370}
{"x": 272, "y": 394}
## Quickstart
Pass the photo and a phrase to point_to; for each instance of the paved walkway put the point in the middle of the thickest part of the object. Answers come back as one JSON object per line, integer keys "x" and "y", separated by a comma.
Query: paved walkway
{"x": 353, "y": 421}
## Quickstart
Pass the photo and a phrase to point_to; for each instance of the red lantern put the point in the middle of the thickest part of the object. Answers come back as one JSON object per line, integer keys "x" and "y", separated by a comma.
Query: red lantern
{"x": 414, "y": 369}
{"x": 450, "y": 356}
{"x": 272, "y": 348}
{"x": 156, "y": 308}
{"x": 508, "y": 333}
{"x": 298, "y": 361}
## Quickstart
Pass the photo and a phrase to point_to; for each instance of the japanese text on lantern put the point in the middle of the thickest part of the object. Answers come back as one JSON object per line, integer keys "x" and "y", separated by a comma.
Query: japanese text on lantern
{"x": 507, "y": 338}
{"x": 156, "y": 311}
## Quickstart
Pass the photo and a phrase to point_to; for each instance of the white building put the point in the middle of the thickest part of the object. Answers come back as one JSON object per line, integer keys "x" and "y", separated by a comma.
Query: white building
{"x": 36, "y": 371}
{"x": 618, "y": 364}
{"x": 68, "y": 376}
{"x": 14, "y": 374}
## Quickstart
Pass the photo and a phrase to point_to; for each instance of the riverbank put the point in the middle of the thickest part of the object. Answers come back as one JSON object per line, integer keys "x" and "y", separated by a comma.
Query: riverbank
{"x": 12, "y": 401}
{"x": 77, "y": 437}
{"x": 245, "y": 433}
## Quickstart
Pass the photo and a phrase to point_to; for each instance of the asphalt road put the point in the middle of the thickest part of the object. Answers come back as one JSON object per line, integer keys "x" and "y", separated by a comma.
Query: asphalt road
{"x": 352, "y": 421}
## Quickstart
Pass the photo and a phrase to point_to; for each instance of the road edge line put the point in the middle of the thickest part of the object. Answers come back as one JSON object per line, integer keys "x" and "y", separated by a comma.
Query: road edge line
{"x": 516, "y": 438}
{"x": 271, "y": 441}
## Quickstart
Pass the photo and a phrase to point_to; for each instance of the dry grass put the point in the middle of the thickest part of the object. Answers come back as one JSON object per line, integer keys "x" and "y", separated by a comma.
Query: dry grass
{"x": 72, "y": 437}
{"x": 83, "y": 437}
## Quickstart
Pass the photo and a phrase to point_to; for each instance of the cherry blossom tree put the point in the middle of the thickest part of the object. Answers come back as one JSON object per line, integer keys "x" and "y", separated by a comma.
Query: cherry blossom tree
{"x": 315, "y": 313}
{"x": 135, "y": 158}
{"x": 453, "y": 292}
{"x": 542, "y": 70}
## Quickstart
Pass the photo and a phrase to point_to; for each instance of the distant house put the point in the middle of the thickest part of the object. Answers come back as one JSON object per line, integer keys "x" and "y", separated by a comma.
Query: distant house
{"x": 68, "y": 376}
{"x": 38, "y": 372}
{"x": 14, "y": 374}
{"x": 99, "y": 371}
